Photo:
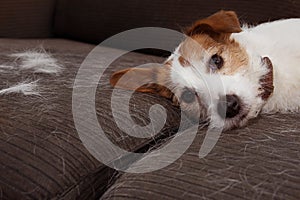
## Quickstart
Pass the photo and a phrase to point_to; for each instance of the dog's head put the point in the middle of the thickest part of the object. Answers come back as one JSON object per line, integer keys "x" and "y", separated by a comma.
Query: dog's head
{"x": 211, "y": 69}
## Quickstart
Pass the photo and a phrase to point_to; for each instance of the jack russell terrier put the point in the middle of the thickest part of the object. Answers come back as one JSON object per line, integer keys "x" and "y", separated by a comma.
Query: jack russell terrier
{"x": 258, "y": 68}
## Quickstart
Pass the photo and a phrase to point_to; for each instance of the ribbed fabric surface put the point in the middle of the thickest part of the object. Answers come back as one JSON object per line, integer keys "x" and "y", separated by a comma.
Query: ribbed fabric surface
{"x": 260, "y": 161}
{"x": 94, "y": 21}
{"x": 41, "y": 155}
{"x": 26, "y": 18}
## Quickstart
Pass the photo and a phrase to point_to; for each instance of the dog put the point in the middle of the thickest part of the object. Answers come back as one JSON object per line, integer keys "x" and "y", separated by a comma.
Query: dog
{"x": 228, "y": 71}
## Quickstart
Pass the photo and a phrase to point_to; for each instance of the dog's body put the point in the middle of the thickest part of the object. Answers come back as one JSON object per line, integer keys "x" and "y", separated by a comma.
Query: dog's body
{"x": 233, "y": 73}
{"x": 280, "y": 41}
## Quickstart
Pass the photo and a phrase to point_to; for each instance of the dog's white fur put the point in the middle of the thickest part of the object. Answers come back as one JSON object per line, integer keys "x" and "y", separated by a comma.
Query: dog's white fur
{"x": 279, "y": 41}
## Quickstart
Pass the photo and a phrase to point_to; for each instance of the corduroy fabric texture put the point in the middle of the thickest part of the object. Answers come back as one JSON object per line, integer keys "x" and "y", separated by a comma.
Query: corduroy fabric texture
{"x": 260, "y": 161}
{"x": 41, "y": 154}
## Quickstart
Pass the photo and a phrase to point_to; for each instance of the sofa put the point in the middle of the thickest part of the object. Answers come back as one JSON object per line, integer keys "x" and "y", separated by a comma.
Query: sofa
{"x": 42, "y": 154}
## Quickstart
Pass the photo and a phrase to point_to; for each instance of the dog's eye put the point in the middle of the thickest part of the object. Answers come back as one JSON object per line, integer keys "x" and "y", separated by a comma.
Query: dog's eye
{"x": 216, "y": 62}
{"x": 188, "y": 96}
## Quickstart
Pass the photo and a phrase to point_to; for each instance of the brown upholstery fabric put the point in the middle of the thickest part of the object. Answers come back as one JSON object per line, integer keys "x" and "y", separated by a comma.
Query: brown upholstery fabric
{"x": 94, "y": 21}
{"x": 26, "y": 18}
{"x": 41, "y": 154}
{"x": 260, "y": 161}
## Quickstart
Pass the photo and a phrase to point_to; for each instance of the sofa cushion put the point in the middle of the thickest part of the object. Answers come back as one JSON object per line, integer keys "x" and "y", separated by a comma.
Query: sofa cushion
{"x": 93, "y": 21}
{"x": 260, "y": 161}
{"x": 41, "y": 153}
{"x": 26, "y": 18}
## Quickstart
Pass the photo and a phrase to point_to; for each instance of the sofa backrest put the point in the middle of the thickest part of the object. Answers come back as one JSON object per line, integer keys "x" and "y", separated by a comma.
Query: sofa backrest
{"x": 95, "y": 20}
{"x": 26, "y": 18}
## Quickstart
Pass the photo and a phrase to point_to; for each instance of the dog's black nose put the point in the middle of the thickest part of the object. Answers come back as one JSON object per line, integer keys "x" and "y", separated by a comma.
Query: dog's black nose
{"x": 229, "y": 106}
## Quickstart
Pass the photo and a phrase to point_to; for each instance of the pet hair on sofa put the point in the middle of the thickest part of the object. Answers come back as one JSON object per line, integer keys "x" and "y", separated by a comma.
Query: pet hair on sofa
{"x": 26, "y": 88}
{"x": 39, "y": 61}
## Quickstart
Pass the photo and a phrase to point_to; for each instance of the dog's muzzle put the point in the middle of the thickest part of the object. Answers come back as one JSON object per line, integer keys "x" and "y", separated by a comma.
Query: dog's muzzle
{"x": 229, "y": 106}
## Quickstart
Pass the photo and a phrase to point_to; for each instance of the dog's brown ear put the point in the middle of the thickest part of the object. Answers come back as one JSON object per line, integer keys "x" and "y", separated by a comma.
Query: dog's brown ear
{"x": 217, "y": 25}
{"x": 266, "y": 81}
{"x": 149, "y": 80}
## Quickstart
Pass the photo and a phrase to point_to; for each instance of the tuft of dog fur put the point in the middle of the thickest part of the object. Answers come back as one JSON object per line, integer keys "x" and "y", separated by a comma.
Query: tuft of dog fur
{"x": 39, "y": 61}
{"x": 26, "y": 88}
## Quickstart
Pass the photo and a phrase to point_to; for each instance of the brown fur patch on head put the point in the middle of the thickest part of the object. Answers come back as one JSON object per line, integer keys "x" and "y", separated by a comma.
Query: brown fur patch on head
{"x": 195, "y": 48}
{"x": 199, "y": 48}
{"x": 218, "y": 26}
{"x": 235, "y": 57}
{"x": 211, "y": 36}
